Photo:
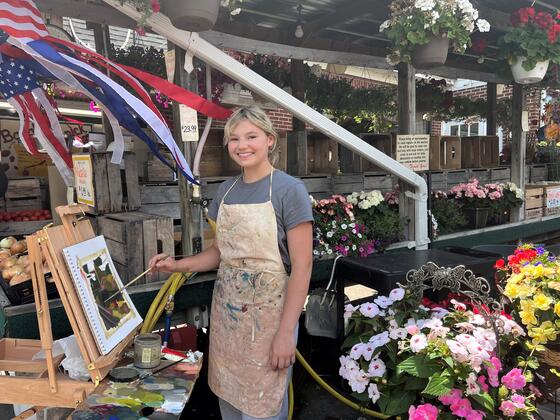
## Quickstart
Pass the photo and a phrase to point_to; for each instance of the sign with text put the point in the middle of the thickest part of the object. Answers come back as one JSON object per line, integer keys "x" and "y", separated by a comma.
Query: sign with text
{"x": 413, "y": 151}
{"x": 553, "y": 197}
{"x": 189, "y": 123}
{"x": 83, "y": 179}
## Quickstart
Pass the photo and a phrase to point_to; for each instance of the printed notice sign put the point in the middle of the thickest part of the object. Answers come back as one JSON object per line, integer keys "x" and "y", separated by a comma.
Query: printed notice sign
{"x": 553, "y": 198}
{"x": 189, "y": 123}
{"x": 83, "y": 179}
{"x": 413, "y": 151}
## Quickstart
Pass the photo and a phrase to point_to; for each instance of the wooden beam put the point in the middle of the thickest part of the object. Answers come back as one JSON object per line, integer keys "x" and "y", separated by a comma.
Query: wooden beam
{"x": 324, "y": 50}
{"x": 297, "y": 140}
{"x": 347, "y": 11}
{"x": 518, "y": 144}
{"x": 406, "y": 99}
{"x": 91, "y": 12}
{"x": 491, "y": 112}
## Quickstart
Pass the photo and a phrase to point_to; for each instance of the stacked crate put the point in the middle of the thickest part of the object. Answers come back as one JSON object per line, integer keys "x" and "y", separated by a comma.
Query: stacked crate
{"x": 133, "y": 238}
{"x": 23, "y": 194}
{"x": 534, "y": 201}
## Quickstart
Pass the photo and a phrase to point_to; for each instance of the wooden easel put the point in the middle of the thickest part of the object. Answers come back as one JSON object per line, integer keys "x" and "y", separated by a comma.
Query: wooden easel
{"x": 47, "y": 387}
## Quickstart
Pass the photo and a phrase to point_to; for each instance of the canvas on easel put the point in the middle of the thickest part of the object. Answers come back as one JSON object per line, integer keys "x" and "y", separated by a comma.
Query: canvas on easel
{"x": 111, "y": 318}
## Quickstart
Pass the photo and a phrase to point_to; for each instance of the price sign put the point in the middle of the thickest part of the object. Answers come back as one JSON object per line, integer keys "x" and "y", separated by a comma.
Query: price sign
{"x": 189, "y": 123}
{"x": 83, "y": 179}
{"x": 553, "y": 198}
{"x": 413, "y": 151}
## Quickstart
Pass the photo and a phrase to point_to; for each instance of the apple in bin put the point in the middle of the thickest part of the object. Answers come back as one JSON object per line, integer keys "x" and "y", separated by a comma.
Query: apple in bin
{"x": 25, "y": 215}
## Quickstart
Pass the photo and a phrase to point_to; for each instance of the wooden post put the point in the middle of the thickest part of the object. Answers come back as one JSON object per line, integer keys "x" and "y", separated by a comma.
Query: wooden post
{"x": 297, "y": 139}
{"x": 406, "y": 97}
{"x": 102, "y": 43}
{"x": 491, "y": 117}
{"x": 191, "y": 214}
{"x": 518, "y": 146}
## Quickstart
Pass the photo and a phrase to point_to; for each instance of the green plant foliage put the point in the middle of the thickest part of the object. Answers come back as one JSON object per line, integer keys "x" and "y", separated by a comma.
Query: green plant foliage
{"x": 448, "y": 214}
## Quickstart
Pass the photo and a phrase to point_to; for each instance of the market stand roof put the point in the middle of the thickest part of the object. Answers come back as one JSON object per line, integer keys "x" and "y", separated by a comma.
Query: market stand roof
{"x": 335, "y": 31}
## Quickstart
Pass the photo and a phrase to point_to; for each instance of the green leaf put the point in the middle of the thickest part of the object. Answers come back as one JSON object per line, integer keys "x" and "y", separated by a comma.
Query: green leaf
{"x": 364, "y": 397}
{"x": 400, "y": 317}
{"x": 350, "y": 341}
{"x": 485, "y": 401}
{"x": 392, "y": 351}
{"x": 438, "y": 386}
{"x": 415, "y": 384}
{"x": 399, "y": 403}
{"x": 449, "y": 361}
{"x": 419, "y": 366}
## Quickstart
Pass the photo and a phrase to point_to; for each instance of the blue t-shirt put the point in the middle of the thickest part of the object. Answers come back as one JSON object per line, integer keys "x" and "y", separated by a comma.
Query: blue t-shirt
{"x": 290, "y": 200}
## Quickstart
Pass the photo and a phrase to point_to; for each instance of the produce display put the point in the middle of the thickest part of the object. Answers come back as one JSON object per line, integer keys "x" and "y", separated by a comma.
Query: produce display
{"x": 14, "y": 261}
{"x": 25, "y": 215}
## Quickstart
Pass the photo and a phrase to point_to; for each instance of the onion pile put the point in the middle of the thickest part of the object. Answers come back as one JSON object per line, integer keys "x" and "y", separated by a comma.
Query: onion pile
{"x": 14, "y": 264}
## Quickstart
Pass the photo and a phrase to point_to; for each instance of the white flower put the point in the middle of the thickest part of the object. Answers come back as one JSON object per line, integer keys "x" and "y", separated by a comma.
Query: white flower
{"x": 458, "y": 351}
{"x": 330, "y": 234}
{"x": 384, "y": 25}
{"x": 359, "y": 382}
{"x": 435, "y": 16}
{"x": 357, "y": 351}
{"x": 329, "y": 251}
{"x": 439, "y": 312}
{"x": 344, "y": 226}
{"x": 472, "y": 385}
{"x": 373, "y": 393}
{"x": 315, "y": 252}
{"x": 396, "y": 294}
{"x": 368, "y": 351}
{"x": 352, "y": 225}
{"x": 383, "y": 301}
{"x": 425, "y": 5}
{"x": 377, "y": 368}
{"x": 354, "y": 231}
{"x": 354, "y": 247}
{"x": 483, "y": 25}
{"x": 349, "y": 310}
{"x": 334, "y": 223}
{"x": 398, "y": 333}
{"x": 380, "y": 339}
{"x": 458, "y": 305}
{"x": 486, "y": 338}
{"x": 348, "y": 367}
{"x": 368, "y": 309}
{"x": 360, "y": 235}
{"x": 418, "y": 342}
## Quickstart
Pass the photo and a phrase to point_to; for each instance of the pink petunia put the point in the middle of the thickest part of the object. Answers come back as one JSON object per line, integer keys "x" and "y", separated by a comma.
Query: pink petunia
{"x": 508, "y": 408}
{"x": 423, "y": 412}
{"x": 514, "y": 379}
{"x": 482, "y": 382}
{"x": 518, "y": 400}
{"x": 454, "y": 396}
{"x": 461, "y": 407}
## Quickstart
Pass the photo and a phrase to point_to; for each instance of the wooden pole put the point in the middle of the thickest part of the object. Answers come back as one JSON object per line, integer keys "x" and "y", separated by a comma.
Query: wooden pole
{"x": 518, "y": 145}
{"x": 406, "y": 97}
{"x": 297, "y": 139}
{"x": 191, "y": 214}
{"x": 102, "y": 46}
{"x": 491, "y": 116}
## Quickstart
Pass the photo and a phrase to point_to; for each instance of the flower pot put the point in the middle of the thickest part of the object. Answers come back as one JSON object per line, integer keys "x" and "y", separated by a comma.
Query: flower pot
{"x": 525, "y": 77}
{"x": 191, "y": 15}
{"x": 476, "y": 217}
{"x": 432, "y": 54}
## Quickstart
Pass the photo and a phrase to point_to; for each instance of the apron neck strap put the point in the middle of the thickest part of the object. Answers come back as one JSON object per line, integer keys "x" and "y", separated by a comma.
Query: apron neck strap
{"x": 239, "y": 177}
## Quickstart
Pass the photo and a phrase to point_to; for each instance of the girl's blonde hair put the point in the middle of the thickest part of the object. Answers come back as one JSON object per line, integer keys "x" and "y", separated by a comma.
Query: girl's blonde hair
{"x": 256, "y": 116}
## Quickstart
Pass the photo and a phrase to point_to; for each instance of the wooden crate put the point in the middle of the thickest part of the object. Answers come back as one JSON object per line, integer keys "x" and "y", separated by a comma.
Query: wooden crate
{"x": 23, "y": 194}
{"x": 383, "y": 143}
{"x": 483, "y": 175}
{"x": 381, "y": 182}
{"x": 489, "y": 151}
{"x": 470, "y": 152}
{"x": 534, "y": 201}
{"x": 161, "y": 200}
{"x": 445, "y": 152}
{"x": 322, "y": 154}
{"x": 115, "y": 189}
{"x": 133, "y": 238}
{"x": 500, "y": 174}
{"x": 319, "y": 186}
{"x": 537, "y": 173}
{"x": 347, "y": 184}
{"x": 157, "y": 171}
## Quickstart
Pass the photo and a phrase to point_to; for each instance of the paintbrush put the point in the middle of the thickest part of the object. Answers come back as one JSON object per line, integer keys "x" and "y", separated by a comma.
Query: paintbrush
{"x": 128, "y": 284}
{"x": 138, "y": 278}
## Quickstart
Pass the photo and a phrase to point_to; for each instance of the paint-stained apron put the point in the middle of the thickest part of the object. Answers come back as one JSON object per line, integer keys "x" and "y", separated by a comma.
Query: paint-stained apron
{"x": 246, "y": 309}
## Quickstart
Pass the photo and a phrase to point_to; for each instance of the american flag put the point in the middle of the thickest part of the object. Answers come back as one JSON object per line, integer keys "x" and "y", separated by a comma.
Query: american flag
{"x": 20, "y": 86}
{"x": 22, "y": 20}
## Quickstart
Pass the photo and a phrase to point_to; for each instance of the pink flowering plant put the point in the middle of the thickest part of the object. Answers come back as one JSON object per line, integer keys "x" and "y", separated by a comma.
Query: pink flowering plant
{"x": 435, "y": 363}
{"x": 471, "y": 194}
{"x": 147, "y": 8}
{"x": 336, "y": 230}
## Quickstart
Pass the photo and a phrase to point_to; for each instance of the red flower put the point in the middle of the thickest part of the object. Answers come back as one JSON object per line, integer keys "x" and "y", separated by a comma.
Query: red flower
{"x": 141, "y": 30}
{"x": 479, "y": 45}
{"x": 500, "y": 264}
{"x": 155, "y": 6}
{"x": 544, "y": 20}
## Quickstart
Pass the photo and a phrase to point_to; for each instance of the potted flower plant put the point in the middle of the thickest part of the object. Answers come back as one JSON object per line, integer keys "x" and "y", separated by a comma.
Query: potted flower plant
{"x": 473, "y": 198}
{"x": 421, "y": 30}
{"x": 530, "y": 44}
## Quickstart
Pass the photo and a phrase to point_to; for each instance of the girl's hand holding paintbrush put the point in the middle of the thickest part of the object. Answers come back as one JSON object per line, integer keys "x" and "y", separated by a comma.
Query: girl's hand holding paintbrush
{"x": 207, "y": 260}
{"x": 163, "y": 263}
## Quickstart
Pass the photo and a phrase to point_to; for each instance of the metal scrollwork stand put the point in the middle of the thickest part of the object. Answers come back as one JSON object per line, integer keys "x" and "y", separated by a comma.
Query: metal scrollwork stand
{"x": 458, "y": 280}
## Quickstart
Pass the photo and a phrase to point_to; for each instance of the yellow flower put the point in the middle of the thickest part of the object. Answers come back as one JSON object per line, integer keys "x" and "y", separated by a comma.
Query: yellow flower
{"x": 527, "y": 305}
{"x": 528, "y": 317}
{"x": 516, "y": 278}
{"x": 511, "y": 290}
{"x": 541, "y": 335}
{"x": 557, "y": 309}
{"x": 542, "y": 301}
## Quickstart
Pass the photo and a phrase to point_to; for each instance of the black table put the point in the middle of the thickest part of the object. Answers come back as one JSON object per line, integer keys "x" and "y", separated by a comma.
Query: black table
{"x": 382, "y": 271}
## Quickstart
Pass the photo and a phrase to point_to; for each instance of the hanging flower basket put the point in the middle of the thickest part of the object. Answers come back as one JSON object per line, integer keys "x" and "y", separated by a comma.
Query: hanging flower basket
{"x": 526, "y": 77}
{"x": 432, "y": 54}
{"x": 191, "y": 15}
